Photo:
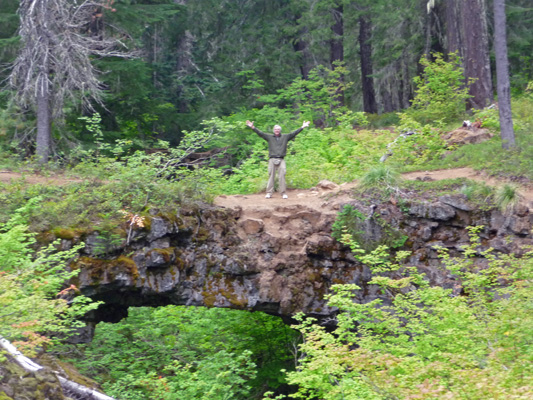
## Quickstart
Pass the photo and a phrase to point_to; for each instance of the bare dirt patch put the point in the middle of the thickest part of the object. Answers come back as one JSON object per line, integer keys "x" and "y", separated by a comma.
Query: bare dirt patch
{"x": 35, "y": 179}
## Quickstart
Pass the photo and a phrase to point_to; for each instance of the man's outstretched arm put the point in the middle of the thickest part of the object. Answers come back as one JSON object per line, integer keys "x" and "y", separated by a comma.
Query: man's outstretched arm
{"x": 250, "y": 125}
{"x": 293, "y": 134}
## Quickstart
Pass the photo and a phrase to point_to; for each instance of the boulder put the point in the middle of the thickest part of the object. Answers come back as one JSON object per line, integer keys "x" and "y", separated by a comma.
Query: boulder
{"x": 252, "y": 226}
{"x": 458, "y": 201}
{"x": 326, "y": 185}
{"x": 159, "y": 228}
{"x": 437, "y": 211}
{"x": 463, "y": 136}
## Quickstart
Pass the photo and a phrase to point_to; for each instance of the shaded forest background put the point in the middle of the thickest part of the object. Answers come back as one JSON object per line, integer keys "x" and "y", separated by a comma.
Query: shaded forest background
{"x": 205, "y": 58}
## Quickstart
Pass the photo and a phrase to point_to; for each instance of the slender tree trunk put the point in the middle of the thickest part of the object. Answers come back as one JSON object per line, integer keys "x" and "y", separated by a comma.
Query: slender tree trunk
{"x": 386, "y": 97}
{"x": 337, "y": 46}
{"x": 367, "y": 81}
{"x": 183, "y": 68}
{"x": 427, "y": 47}
{"x": 44, "y": 127}
{"x": 477, "y": 60}
{"x": 502, "y": 75}
{"x": 401, "y": 85}
{"x": 407, "y": 92}
{"x": 184, "y": 64}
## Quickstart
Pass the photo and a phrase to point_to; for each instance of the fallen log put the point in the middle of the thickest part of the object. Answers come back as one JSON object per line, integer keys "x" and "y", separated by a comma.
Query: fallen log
{"x": 66, "y": 384}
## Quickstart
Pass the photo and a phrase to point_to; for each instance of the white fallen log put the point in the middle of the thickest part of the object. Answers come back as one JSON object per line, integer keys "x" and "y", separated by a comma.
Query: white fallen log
{"x": 81, "y": 390}
{"x": 389, "y": 146}
{"x": 73, "y": 387}
{"x": 22, "y": 360}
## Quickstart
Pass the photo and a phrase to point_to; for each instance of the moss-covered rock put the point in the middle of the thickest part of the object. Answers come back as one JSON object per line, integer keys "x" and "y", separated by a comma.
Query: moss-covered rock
{"x": 19, "y": 384}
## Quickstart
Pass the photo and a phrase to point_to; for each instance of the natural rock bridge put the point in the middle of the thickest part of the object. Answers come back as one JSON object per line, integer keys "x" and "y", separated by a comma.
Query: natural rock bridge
{"x": 277, "y": 256}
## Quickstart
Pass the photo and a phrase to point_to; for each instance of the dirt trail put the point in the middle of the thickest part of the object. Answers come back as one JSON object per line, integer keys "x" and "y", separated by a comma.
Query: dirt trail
{"x": 34, "y": 179}
{"x": 275, "y": 213}
{"x": 318, "y": 197}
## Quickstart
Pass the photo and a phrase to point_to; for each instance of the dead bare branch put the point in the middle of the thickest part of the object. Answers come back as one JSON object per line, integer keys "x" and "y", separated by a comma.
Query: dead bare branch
{"x": 57, "y": 46}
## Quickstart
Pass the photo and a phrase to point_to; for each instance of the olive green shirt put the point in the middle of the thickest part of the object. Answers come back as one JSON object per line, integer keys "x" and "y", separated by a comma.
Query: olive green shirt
{"x": 277, "y": 145}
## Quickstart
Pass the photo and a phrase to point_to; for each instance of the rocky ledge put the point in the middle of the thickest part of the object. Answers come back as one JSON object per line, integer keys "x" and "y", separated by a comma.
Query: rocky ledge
{"x": 279, "y": 259}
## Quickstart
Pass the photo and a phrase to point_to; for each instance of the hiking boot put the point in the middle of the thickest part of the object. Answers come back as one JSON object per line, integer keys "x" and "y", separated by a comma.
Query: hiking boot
{"x": 285, "y": 196}
{"x": 268, "y": 196}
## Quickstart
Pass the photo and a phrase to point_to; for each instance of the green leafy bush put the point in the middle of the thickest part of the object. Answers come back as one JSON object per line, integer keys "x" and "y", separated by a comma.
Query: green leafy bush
{"x": 316, "y": 98}
{"x": 419, "y": 144}
{"x": 34, "y": 310}
{"x": 440, "y": 93}
{"x": 188, "y": 353}
{"x": 469, "y": 342}
{"x": 489, "y": 117}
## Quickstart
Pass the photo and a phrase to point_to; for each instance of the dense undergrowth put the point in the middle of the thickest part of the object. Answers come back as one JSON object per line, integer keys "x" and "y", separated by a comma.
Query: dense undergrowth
{"x": 429, "y": 342}
{"x": 443, "y": 346}
{"x": 180, "y": 353}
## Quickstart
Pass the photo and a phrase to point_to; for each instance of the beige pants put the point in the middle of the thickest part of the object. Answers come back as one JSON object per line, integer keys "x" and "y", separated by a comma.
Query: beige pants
{"x": 276, "y": 164}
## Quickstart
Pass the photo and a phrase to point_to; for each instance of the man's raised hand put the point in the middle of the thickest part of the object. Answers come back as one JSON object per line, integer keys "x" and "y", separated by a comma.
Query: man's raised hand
{"x": 250, "y": 124}
{"x": 305, "y": 124}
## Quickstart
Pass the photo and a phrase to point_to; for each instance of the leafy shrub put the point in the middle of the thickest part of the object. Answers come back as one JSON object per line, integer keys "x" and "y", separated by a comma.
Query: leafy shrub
{"x": 419, "y": 144}
{"x": 440, "y": 93}
{"x": 35, "y": 311}
{"x": 522, "y": 108}
{"x": 317, "y": 97}
{"x": 188, "y": 353}
{"x": 489, "y": 117}
{"x": 427, "y": 342}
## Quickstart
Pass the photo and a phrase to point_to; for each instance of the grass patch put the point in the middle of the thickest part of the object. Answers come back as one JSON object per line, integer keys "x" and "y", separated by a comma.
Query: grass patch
{"x": 91, "y": 203}
{"x": 380, "y": 177}
{"x": 489, "y": 155}
{"x": 507, "y": 197}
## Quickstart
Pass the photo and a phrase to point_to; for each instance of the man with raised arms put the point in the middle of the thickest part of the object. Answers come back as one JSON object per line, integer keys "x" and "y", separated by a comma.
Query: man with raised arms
{"x": 277, "y": 150}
